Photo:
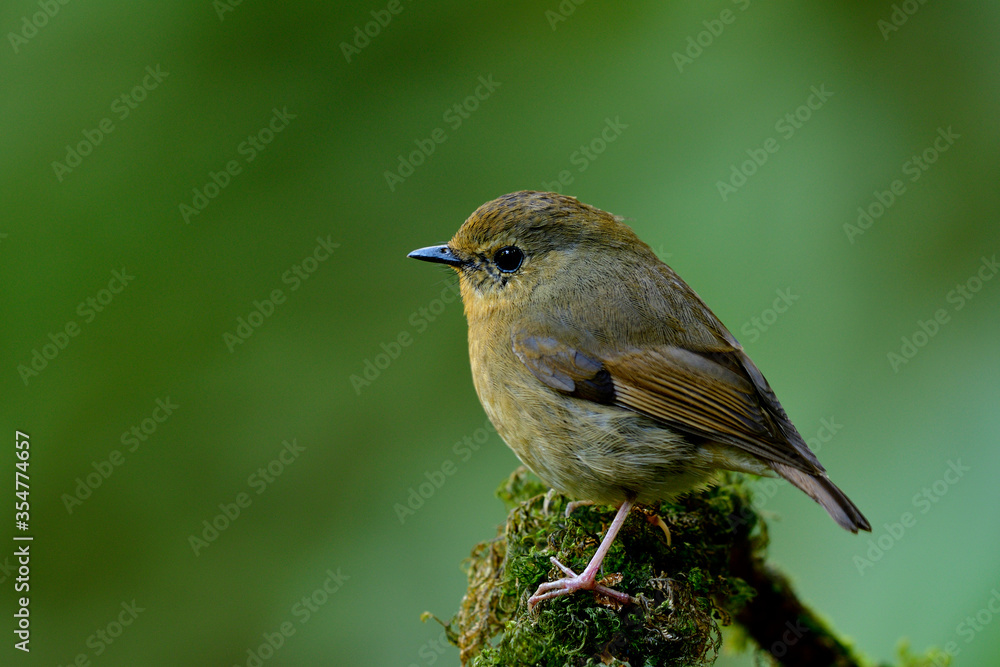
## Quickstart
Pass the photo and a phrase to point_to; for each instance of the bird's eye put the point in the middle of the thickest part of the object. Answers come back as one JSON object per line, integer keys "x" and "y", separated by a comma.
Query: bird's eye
{"x": 508, "y": 259}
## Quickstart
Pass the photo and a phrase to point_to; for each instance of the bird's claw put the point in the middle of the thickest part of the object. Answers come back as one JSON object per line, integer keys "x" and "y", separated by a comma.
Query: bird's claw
{"x": 573, "y": 582}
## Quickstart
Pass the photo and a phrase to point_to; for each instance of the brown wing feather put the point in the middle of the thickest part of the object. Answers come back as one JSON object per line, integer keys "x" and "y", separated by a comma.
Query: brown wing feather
{"x": 683, "y": 389}
{"x": 704, "y": 398}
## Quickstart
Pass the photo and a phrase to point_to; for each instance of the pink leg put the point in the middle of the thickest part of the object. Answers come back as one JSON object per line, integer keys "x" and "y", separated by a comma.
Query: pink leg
{"x": 587, "y": 580}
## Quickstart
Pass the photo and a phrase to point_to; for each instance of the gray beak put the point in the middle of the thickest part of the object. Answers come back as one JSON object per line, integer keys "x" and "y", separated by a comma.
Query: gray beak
{"x": 439, "y": 254}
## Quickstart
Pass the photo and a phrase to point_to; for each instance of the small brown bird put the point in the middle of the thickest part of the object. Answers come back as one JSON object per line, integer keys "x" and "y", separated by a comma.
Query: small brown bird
{"x": 606, "y": 374}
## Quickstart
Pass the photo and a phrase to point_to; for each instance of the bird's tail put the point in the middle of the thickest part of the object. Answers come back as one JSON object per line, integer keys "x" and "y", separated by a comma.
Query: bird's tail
{"x": 822, "y": 490}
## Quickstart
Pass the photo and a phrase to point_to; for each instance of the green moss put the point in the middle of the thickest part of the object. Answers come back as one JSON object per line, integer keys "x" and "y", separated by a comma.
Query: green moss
{"x": 677, "y": 619}
{"x": 687, "y": 590}
{"x": 933, "y": 657}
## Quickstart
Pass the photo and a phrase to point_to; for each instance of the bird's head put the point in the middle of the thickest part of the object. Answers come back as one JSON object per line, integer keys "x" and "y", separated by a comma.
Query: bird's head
{"x": 511, "y": 246}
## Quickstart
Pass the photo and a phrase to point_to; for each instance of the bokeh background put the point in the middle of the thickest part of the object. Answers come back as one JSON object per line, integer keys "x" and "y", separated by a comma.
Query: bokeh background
{"x": 640, "y": 109}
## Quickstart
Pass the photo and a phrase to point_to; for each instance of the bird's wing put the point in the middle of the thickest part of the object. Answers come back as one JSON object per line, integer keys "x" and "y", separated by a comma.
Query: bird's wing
{"x": 718, "y": 395}
{"x": 698, "y": 395}
{"x": 564, "y": 368}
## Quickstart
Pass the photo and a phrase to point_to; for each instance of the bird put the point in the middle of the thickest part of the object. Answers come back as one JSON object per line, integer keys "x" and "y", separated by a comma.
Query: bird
{"x": 606, "y": 374}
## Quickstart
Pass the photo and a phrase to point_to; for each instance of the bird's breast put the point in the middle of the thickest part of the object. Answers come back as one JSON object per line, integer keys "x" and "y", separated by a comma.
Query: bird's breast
{"x": 583, "y": 449}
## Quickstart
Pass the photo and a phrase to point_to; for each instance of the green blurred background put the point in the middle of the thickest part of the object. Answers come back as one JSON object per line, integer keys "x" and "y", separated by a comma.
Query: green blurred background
{"x": 330, "y": 517}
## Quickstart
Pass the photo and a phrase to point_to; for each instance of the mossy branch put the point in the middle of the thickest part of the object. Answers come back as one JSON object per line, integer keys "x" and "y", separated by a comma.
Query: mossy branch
{"x": 711, "y": 574}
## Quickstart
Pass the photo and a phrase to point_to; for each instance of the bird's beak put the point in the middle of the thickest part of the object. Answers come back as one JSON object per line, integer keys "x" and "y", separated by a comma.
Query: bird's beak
{"x": 439, "y": 254}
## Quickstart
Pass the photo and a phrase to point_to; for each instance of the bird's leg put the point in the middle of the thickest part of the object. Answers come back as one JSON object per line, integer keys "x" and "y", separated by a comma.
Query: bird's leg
{"x": 586, "y": 580}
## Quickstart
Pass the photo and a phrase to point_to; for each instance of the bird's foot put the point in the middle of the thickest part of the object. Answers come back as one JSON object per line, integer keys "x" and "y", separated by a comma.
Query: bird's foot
{"x": 571, "y": 506}
{"x": 549, "y": 495}
{"x": 574, "y": 582}
{"x": 657, "y": 520}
